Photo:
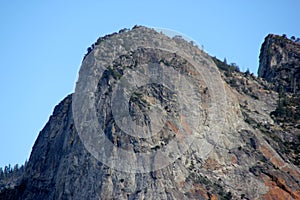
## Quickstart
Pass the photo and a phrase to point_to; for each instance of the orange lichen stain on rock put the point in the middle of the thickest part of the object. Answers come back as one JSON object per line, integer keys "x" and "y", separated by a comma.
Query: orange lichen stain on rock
{"x": 278, "y": 190}
{"x": 277, "y": 162}
{"x": 266, "y": 151}
{"x": 281, "y": 183}
{"x": 296, "y": 195}
{"x": 185, "y": 125}
{"x": 275, "y": 192}
{"x": 271, "y": 156}
{"x": 176, "y": 130}
{"x": 211, "y": 164}
{"x": 173, "y": 127}
{"x": 292, "y": 172}
{"x": 213, "y": 197}
{"x": 233, "y": 160}
{"x": 179, "y": 134}
{"x": 277, "y": 187}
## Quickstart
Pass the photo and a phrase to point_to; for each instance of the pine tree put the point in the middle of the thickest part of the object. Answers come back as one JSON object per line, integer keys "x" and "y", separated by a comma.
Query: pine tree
{"x": 1, "y": 173}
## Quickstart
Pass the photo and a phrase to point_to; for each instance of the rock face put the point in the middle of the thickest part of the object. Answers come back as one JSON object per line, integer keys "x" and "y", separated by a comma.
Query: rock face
{"x": 235, "y": 150}
{"x": 280, "y": 62}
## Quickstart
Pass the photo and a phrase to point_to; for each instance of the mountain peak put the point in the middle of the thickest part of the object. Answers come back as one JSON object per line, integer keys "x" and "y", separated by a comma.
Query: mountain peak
{"x": 152, "y": 117}
{"x": 279, "y": 62}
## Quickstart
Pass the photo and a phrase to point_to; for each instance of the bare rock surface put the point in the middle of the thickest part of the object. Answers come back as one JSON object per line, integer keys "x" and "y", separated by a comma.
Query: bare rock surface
{"x": 280, "y": 62}
{"x": 232, "y": 154}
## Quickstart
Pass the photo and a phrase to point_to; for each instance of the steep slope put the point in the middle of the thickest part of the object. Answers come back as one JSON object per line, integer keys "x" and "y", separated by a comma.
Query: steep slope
{"x": 280, "y": 62}
{"x": 221, "y": 126}
{"x": 280, "y": 66}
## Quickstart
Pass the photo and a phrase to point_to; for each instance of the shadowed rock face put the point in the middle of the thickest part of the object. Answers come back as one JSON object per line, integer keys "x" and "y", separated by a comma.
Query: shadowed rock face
{"x": 233, "y": 155}
{"x": 280, "y": 62}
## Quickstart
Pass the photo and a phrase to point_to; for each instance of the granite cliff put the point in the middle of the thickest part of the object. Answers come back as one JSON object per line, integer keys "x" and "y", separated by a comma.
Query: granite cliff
{"x": 280, "y": 62}
{"x": 228, "y": 145}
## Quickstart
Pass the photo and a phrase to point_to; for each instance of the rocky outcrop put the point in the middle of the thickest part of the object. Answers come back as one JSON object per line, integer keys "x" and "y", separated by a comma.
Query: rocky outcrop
{"x": 232, "y": 154}
{"x": 279, "y": 62}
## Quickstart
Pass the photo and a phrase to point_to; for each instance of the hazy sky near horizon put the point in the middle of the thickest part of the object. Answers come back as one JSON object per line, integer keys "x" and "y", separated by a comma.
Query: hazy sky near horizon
{"x": 42, "y": 44}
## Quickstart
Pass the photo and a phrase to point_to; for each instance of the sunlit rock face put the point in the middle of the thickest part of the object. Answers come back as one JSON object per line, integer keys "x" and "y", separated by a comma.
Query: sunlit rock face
{"x": 153, "y": 117}
{"x": 280, "y": 62}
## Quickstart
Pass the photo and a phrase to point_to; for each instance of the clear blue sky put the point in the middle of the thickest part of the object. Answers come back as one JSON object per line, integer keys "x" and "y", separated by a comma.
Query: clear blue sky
{"x": 42, "y": 44}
